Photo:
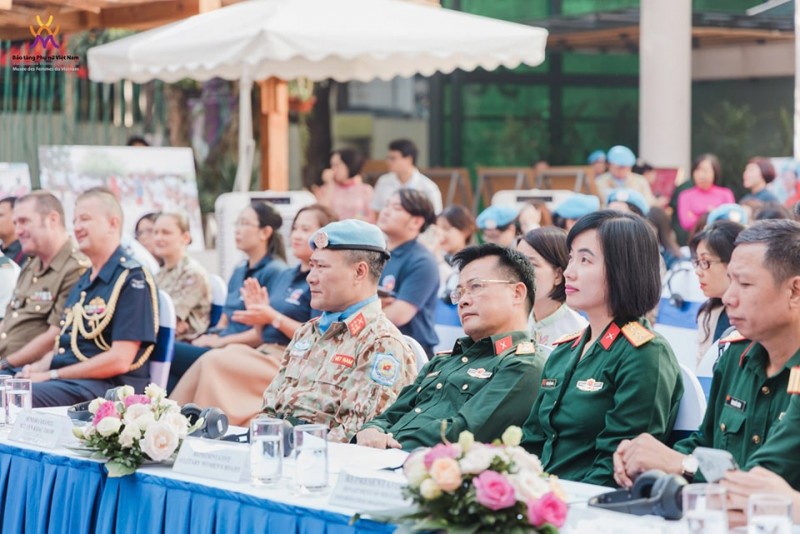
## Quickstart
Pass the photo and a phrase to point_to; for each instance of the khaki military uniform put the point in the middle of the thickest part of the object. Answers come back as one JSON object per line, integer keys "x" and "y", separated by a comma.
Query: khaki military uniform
{"x": 627, "y": 383}
{"x": 482, "y": 386}
{"x": 606, "y": 183}
{"x": 39, "y": 297}
{"x": 744, "y": 403}
{"x": 344, "y": 377}
{"x": 190, "y": 288}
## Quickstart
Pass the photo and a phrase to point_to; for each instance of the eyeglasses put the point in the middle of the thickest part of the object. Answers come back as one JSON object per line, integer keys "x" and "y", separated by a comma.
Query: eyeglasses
{"x": 474, "y": 287}
{"x": 705, "y": 264}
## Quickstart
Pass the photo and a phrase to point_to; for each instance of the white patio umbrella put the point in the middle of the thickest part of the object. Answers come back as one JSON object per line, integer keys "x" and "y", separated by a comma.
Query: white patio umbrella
{"x": 316, "y": 39}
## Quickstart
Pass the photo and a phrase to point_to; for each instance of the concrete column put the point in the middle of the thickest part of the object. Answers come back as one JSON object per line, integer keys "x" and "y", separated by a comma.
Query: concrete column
{"x": 665, "y": 82}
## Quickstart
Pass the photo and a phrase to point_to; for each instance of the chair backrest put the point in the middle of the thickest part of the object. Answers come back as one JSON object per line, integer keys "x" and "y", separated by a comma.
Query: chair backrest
{"x": 161, "y": 358}
{"x": 692, "y": 408}
{"x": 419, "y": 352}
{"x": 454, "y": 183}
{"x": 219, "y": 292}
{"x": 494, "y": 179}
{"x": 520, "y": 197}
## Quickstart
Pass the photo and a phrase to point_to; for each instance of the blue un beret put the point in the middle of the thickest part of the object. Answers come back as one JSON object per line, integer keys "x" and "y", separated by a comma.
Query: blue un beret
{"x": 597, "y": 155}
{"x": 621, "y": 155}
{"x": 727, "y": 212}
{"x": 630, "y": 196}
{"x": 577, "y": 206}
{"x": 496, "y": 217}
{"x": 350, "y": 234}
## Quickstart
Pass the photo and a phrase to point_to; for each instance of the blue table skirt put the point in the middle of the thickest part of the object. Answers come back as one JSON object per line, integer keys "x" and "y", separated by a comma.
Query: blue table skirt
{"x": 40, "y": 492}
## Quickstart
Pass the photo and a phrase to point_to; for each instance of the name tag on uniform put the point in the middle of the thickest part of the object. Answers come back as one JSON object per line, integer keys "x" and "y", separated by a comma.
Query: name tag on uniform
{"x": 343, "y": 359}
{"x": 589, "y": 385}
{"x": 736, "y": 404}
{"x": 549, "y": 383}
{"x": 432, "y": 374}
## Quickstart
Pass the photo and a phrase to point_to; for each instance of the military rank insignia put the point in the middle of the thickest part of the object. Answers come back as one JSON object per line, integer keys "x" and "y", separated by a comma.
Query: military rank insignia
{"x": 589, "y": 385}
{"x": 794, "y": 381}
{"x": 385, "y": 369}
{"x": 479, "y": 373}
{"x": 95, "y": 307}
{"x": 526, "y": 347}
{"x": 636, "y": 334}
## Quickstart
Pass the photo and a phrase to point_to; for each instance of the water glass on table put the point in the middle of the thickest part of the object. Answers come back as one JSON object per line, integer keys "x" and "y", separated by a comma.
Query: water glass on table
{"x": 266, "y": 450}
{"x": 769, "y": 514}
{"x": 19, "y": 398}
{"x": 311, "y": 457}
{"x": 3, "y": 411}
{"x": 705, "y": 509}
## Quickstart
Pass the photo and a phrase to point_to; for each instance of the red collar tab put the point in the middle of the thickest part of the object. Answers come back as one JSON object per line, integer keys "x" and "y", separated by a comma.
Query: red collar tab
{"x": 610, "y": 336}
{"x": 502, "y": 345}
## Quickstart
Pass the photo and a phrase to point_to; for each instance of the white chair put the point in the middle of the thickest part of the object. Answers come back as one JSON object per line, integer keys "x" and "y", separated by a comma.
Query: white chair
{"x": 219, "y": 292}
{"x": 419, "y": 352}
{"x": 161, "y": 358}
{"x": 692, "y": 408}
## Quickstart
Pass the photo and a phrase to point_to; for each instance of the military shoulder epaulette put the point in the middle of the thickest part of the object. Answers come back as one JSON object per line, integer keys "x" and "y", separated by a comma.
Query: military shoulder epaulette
{"x": 637, "y": 334}
{"x": 733, "y": 337}
{"x": 129, "y": 262}
{"x": 568, "y": 337}
{"x": 526, "y": 347}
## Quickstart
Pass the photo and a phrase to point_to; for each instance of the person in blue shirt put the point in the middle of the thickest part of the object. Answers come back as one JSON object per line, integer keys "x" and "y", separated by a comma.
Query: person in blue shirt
{"x": 234, "y": 378}
{"x": 410, "y": 280}
{"x": 258, "y": 237}
{"x": 758, "y": 173}
{"x": 110, "y": 319}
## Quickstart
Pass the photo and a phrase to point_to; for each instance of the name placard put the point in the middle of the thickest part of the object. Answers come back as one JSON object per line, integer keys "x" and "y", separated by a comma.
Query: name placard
{"x": 369, "y": 490}
{"x": 41, "y": 429}
{"x": 209, "y": 459}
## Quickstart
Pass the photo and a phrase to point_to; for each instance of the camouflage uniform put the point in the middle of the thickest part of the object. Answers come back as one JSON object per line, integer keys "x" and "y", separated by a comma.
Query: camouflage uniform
{"x": 188, "y": 285}
{"x": 39, "y": 297}
{"x": 344, "y": 377}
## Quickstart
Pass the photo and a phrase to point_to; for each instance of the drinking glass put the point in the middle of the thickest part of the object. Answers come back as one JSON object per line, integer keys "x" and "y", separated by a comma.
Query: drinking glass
{"x": 3, "y": 411}
{"x": 266, "y": 450}
{"x": 18, "y": 398}
{"x": 769, "y": 513}
{"x": 705, "y": 509}
{"x": 311, "y": 457}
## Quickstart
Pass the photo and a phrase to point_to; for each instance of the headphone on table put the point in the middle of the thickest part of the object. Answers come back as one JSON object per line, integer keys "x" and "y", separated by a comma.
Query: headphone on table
{"x": 80, "y": 411}
{"x": 653, "y": 493}
{"x": 215, "y": 422}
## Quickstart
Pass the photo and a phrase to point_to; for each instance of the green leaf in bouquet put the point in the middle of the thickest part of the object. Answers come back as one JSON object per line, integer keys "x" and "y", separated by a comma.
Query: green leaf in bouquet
{"x": 117, "y": 468}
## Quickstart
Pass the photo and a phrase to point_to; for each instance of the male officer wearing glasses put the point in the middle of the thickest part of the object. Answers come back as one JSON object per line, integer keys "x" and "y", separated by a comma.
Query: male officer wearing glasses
{"x": 490, "y": 379}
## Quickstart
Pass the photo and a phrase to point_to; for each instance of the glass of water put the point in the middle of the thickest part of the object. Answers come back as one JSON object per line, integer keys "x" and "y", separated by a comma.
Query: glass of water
{"x": 311, "y": 457}
{"x": 266, "y": 450}
{"x": 19, "y": 398}
{"x": 3, "y": 411}
{"x": 704, "y": 508}
{"x": 769, "y": 514}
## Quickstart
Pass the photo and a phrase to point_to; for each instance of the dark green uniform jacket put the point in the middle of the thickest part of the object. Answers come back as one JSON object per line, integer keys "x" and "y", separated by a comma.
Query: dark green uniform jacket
{"x": 744, "y": 403}
{"x": 484, "y": 387}
{"x": 781, "y": 453}
{"x": 627, "y": 383}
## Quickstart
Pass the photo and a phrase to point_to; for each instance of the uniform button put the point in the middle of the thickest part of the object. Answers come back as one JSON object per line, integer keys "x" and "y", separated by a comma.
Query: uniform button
{"x": 122, "y": 259}
{"x": 62, "y": 323}
{"x": 35, "y": 279}
{"x": 15, "y": 315}
{"x": 37, "y": 308}
{"x": 765, "y": 390}
{"x": 418, "y": 410}
{"x": 722, "y": 427}
{"x": 62, "y": 350}
{"x": 439, "y": 385}
{"x": 3, "y": 335}
{"x": 464, "y": 387}
{"x": 756, "y": 439}
{"x": 464, "y": 359}
{"x": 419, "y": 389}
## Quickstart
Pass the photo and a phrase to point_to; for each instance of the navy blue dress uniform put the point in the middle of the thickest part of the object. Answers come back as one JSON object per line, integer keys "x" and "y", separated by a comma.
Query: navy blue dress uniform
{"x": 119, "y": 304}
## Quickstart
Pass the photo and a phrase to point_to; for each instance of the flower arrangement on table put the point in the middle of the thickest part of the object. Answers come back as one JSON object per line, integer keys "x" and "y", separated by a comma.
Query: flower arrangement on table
{"x": 134, "y": 428}
{"x": 472, "y": 487}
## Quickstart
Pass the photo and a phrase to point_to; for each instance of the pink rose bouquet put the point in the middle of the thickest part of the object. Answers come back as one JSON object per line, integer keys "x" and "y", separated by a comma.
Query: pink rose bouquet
{"x": 476, "y": 487}
{"x": 132, "y": 429}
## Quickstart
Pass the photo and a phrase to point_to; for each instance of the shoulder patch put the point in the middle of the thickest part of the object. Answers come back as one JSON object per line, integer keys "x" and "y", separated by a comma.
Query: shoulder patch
{"x": 385, "y": 369}
{"x": 526, "y": 347}
{"x": 733, "y": 337}
{"x": 568, "y": 337}
{"x": 636, "y": 334}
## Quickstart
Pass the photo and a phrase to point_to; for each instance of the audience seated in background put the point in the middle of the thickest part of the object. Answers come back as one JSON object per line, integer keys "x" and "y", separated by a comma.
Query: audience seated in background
{"x": 498, "y": 225}
{"x": 144, "y": 232}
{"x": 257, "y": 235}
{"x": 749, "y": 386}
{"x": 455, "y": 228}
{"x": 346, "y": 367}
{"x": 627, "y": 200}
{"x": 757, "y": 174}
{"x": 403, "y": 174}
{"x": 234, "y": 378}
{"x": 9, "y": 272}
{"x": 597, "y": 159}
{"x": 706, "y": 193}
{"x": 550, "y": 319}
{"x": 573, "y": 208}
{"x": 534, "y": 214}
{"x": 667, "y": 240}
{"x": 617, "y": 378}
{"x": 620, "y": 162}
{"x": 490, "y": 378}
{"x": 343, "y": 189}
{"x": 9, "y": 242}
{"x": 33, "y": 317}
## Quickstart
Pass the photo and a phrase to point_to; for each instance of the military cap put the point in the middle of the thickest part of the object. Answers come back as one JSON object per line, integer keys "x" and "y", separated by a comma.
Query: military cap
{"x": 349, "y": 234}
{"x": 629, "y": 196}
{"x": 577, "y": 206}
{"x": 727, "y": 212}
{"x": 496, "y": 217}
{"x": 596, "y": 156}
{"x": 621, "y": 155}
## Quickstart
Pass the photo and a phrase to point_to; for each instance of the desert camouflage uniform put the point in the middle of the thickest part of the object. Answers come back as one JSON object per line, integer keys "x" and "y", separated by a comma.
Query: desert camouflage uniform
{"x": 344, "y": 377}
{"x": 188, "y": 285}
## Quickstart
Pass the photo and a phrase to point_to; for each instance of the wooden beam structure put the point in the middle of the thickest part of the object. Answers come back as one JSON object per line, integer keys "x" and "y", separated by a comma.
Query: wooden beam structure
{"x": 274, "y": 127}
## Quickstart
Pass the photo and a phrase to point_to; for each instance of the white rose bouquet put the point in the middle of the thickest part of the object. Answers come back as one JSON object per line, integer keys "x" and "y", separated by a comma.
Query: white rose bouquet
{"x": 134, "y": 428}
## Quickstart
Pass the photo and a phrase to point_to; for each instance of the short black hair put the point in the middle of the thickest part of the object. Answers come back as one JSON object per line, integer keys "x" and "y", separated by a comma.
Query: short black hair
{"x": 137, "y": 139}
{"x": 509, "y": 259}
{"x": 9, "y": 200}
{"x": 353, "y": 160}
{"x": 406, "y": 147}
{"x": 152, "y": 216}
{"x": 715, "y": 166}
{"x": 376, "y": 261}
{"x": 772, "y": 210}
{"x": 418, "y": 204}
{"x": 630, "y": 249}
{"x": 782, "y": 238}
{"x": 551, "y": 244}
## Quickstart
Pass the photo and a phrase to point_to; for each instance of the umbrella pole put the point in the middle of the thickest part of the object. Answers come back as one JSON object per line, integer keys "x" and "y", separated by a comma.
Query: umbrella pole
{"x": 274, "y": 131}
{"x": 246, "y": 143}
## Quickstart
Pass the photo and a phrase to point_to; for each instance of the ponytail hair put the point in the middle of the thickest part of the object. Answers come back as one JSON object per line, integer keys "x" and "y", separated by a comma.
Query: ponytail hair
{"x": 268, "y": 216}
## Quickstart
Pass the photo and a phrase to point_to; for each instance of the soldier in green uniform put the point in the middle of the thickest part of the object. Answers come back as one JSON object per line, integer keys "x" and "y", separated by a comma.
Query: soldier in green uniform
{"x": 617, "y": 378}
{"x": 749, "y": 387}
{"x": 32, "y": 318}
{"x": 346, "y": 367}
{"x": 490, "y": 378}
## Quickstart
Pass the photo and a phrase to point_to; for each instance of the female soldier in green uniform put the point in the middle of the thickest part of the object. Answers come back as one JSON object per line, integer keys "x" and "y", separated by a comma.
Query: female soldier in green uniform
{"x": 617, "y": 378}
